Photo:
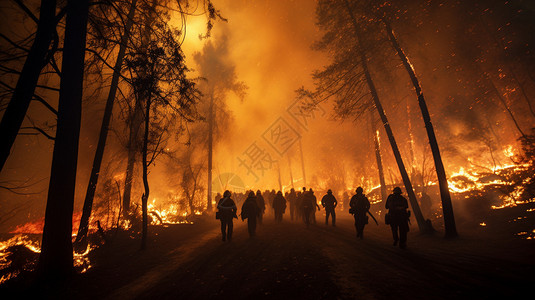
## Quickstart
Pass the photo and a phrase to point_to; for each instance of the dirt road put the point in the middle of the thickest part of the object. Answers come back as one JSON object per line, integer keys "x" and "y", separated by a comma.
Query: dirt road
{"x": 289, "y": 261}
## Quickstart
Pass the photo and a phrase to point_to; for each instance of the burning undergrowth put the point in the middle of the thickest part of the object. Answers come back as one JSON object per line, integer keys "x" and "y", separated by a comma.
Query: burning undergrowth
{"x": 20, "y": 249}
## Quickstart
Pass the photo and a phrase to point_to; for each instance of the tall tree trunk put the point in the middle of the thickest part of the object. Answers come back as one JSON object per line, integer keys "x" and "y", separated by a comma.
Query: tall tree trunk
{"x": 447, "y": 207}
{"x": 378, "y": 158}
{"x": 56, "y": 257}
{"x": 411, "y": 143}
{"x": 280, "y": 179}
{"x": 422, "y": 225}
{"x": 137, "y": 118}
{"x": 302, "y": 162}
{"x": 134, "y": 124}
{"x": 81, "y": 238}
{"x": 290, "y": 168}
{"x": 145, "y": 196}
{"x": 25, "y": 88}
{"x": 210, "y": 150}
{"x": 507, "y": 108}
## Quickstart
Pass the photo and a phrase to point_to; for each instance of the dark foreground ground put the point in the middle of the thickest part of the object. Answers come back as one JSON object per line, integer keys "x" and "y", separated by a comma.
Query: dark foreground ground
{"x": 289, "y": 261}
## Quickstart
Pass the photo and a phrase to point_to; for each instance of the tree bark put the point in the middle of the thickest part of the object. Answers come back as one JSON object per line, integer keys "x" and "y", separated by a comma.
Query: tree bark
{"x": 378, "y": 158}
{"x": 145, "y": 196}
{"x": 210, "y": 151}
{"x": 56, "y": 259}
{"x": 25, "y": 88}
{"x": 81, "y": 238}
{"x": 134, "y": 125}
{"x": 447, "y": 207}
{"x": 422, "y": 225}
{"x": 302, "y": 162}
{"x": 136, "y": 120}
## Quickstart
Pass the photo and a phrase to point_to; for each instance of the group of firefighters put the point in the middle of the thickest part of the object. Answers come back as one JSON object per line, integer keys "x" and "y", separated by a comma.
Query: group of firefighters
{"x": 303, "y": 206}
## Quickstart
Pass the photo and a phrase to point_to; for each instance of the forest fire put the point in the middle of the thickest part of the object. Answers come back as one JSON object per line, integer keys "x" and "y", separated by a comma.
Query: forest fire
{"x": 20, "y": 254}
{"x": 172, "y": 214}
{"x": 125, "y": 123}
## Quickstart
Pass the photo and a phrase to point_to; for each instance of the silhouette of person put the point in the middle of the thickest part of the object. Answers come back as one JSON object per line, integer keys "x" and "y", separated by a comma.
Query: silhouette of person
{"x": 279, "y": 206}
{"x": 315, "y": 201}
{"x": 217, "y": 197}
{"x": 299, "y": 203}
{"x": 398, "y": 217}
{"x": 309, "y": 205}
{"x": 251, "y": 212}
{"x": 425, "y": 204}
{"x": 292, "y": 198}
{"x": 261, "y": 205}
{"x": 329, "y": 203}
{"x": 345, "y": 200}
{"x": 359, "y": 206}
{"x": 227, "y": 212}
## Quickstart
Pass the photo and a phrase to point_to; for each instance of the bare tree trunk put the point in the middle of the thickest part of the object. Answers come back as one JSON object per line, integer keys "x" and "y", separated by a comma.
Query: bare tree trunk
{"x": 210, "y": 151}
{"x": 56, "y": 259}
{"x": 422, "y": 225}
{"x": 145, "y": 196}
{"x": 134, "y": 125}
{"x": 290, "y": 168}
{"x": 302, "y": 162}
{"x": 378, "y": 158}
{"x": 507, "y": 108}
{"x": 25, "y": 88}
{"x": 447, "y": 207}
{"x": 137, "y": 119}
{"x": 80, "y": 243}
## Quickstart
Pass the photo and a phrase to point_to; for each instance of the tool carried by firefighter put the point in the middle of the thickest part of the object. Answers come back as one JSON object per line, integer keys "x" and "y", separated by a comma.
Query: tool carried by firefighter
{"x": 373, "y": 218}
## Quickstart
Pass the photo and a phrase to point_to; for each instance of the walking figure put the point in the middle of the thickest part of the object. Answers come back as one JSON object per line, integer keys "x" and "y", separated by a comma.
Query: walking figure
{"x": 300, "y": 215}
{"x": 226, "y": 214}
{"x": 261, "y": 205}
{"x": 279, "y": 206}
{"x": 314, "y": 200}
{"x": 292, "y": 198}
{"x": 309, "y": 206}
{"x": 359, "y": 206}
{"x": 398, "y": 217}
{"x": 251, "y": 212}
{"x": 329, "y": 203}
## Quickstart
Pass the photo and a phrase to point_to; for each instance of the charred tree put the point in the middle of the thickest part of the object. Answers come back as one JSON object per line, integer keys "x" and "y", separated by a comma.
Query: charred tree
{"x": 422, "y": 225}
{"x": 447, "y": 207}
{"x": 221, "y": 78}
{"x": 134, "y": 126}
{"x": 210, "y": 152}
{"x": 378, "y": 159}
{"x": 81, "y": 238}
{"x": 136, "y": 118}
{"x": 145, "y": 196}
{"x": 27, "y": 81}
{"x": 56, "y": 259}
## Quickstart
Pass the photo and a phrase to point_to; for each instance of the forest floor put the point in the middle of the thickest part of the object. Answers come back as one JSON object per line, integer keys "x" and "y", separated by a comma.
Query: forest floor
{"x": 289, "y": 261}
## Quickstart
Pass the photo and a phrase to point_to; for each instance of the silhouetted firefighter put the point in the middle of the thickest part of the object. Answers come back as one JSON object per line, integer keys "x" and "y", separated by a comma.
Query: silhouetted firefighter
{"x": 261, "y": 205}
{"x": 329, "y": 203}
{"x": 398, "y": 217}
{"x": 227, "y": 211}
{"x": 308, "y": 205}
{"x": 279, "y": 206}
{"x": 292, "y": 199}
{"x": 251, "y": 212}
{"x": 300, "y": 215}
{"x": 315, "y": 201}
{"x": 359, "y": 206}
